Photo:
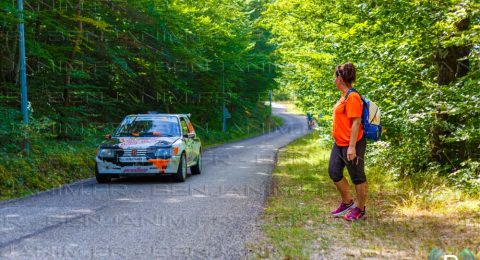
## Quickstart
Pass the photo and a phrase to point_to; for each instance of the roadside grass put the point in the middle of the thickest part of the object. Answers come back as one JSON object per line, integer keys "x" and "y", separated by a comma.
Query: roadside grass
{"x": 53, "y": 163}
{"x": 50, "y": 164}
{"x": 407, "y": 217}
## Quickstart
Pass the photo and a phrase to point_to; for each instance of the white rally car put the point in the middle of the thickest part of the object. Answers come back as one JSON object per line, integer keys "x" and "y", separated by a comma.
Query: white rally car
{"x": 150, "y": 144}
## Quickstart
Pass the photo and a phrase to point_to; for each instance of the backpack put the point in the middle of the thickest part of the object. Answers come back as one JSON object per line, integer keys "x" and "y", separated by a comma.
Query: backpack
{"x": 370, "y": 118}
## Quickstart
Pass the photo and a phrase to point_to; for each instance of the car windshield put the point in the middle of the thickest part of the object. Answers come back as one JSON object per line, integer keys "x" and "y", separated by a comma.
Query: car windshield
{"x": 159, "y": 126}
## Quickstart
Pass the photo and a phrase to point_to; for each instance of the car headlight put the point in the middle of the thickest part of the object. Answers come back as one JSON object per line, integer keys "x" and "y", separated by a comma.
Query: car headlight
{"x": 106, "y": 153}
{"x": 163, "y": 153}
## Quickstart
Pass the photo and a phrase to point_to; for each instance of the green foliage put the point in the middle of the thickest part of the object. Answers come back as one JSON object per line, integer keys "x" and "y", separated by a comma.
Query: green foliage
{"x": 100, "y": 60}
{"x": 50, "y": 164}
{"x": 398, "y": 48}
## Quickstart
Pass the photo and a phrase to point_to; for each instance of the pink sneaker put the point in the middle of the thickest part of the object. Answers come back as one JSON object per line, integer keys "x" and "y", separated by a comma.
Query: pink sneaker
{"x": 343, "y": 209}
{"x": 355, "y": 214}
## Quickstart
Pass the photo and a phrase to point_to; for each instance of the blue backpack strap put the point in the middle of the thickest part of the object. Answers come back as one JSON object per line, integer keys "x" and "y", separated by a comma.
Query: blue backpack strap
{"x": 364, "y": 105}
{"x": 348, "y": 93}
{"x": 354, "y": 90}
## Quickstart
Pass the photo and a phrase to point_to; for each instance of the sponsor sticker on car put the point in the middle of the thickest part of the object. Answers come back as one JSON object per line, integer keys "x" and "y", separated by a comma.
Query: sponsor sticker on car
{"x": 137, "y": 169}
{"x": 132, "y": 159}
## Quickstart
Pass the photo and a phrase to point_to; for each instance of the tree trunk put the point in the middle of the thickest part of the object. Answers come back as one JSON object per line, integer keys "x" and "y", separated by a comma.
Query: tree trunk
{"x": 76, "y": 49}
{"x": 452, "y": 64}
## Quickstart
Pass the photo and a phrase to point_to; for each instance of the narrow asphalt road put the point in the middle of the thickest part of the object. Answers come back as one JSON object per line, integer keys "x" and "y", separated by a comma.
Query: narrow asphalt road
{"x": 210, "y": 216}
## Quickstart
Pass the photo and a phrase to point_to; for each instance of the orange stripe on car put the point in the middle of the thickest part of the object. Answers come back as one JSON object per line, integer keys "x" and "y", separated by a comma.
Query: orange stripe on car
{"x": 160, "y": 163}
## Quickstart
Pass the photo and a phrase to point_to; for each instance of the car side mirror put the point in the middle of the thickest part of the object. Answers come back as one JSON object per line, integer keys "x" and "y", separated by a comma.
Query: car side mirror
{"x": 108, "y": 136}
{"x": 189, "y": 135}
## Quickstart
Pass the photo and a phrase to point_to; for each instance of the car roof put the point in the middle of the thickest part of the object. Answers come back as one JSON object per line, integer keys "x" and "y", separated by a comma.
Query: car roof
{"x": 159, "y": 115}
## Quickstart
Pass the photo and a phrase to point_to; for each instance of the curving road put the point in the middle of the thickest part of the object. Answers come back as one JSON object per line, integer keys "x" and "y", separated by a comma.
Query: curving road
{"x": 210, "y": 216}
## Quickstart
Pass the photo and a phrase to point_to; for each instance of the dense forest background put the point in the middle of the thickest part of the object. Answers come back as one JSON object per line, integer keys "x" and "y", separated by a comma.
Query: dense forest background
{"x": 94, "y": 61}
{"x": 91, "y": 62}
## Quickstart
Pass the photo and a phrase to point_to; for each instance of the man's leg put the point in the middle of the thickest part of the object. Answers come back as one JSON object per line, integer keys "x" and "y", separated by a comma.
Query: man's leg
{"x": 356, "y": 169}
{"x": 361, "y": 190}
{"x": 335, "y": 170}
{"x": 344, "y": 190}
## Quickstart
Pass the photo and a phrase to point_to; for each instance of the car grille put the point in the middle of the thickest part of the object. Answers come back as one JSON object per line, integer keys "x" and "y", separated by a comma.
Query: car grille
{"x": 139, "y": 152}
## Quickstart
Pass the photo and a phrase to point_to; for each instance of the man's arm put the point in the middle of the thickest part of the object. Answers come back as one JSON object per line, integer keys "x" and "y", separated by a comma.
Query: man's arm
{"x": 351, "y": 152}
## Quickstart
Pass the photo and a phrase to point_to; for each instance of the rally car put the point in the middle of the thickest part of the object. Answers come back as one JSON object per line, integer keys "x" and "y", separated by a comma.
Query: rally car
{"x": 150, "y": 144}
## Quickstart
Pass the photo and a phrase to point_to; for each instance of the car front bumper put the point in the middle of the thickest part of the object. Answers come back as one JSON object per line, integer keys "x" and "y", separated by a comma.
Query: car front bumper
{"x": 150, "y": 167}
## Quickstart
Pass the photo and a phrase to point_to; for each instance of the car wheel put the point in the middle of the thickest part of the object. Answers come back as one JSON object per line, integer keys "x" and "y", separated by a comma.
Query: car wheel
{"x": 197, "y": 168}
{"x": 103, "y": 178}
{"x": 182, "y": 170}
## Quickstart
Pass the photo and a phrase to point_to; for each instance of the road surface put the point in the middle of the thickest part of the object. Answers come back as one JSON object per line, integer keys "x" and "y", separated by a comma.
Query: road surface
{"x": 210, "y": 216}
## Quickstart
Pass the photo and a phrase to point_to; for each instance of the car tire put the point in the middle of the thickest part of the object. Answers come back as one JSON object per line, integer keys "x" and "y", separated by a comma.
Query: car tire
{"x": 103, "y": 178}
{"x": 181, "y": 174}
{"x": 197, "y": 168}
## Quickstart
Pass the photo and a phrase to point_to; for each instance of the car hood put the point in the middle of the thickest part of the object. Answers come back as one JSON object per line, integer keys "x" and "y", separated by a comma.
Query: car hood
{"x": 141, "y": 142}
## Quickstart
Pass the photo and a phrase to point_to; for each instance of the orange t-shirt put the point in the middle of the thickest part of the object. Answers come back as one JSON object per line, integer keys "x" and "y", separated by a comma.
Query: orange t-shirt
{"x": 343, "y": 112}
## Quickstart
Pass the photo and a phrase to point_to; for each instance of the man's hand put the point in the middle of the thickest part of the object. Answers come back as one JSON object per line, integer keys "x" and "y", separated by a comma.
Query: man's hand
{"x": 351, "y": 153}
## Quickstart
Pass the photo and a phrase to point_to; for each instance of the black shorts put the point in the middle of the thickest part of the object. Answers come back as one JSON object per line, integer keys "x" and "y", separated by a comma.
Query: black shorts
{"x": 356, "y": 168}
